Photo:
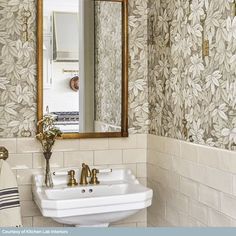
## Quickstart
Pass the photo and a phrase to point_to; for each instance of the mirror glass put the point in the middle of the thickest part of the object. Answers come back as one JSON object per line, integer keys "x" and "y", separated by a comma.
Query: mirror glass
{"x": 82, "y": 65}
{"x": 108, "y": 66}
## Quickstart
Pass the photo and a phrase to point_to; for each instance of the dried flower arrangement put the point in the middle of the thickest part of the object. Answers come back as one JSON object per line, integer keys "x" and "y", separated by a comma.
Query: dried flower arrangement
{"x": 48, "y": 133}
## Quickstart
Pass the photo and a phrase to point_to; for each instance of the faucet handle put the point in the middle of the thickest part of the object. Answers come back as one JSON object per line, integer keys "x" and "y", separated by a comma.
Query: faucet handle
{"x": 94, "y": 178}
{"x": 60, "y": 173}
{"x": 104, "y": 170}
{"x": 72, "y": 181}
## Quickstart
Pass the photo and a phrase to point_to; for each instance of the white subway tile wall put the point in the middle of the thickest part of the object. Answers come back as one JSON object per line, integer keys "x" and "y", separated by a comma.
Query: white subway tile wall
{"x": 193, "y": 185}
{"x": 200, "y": 190}
{"x": 26, "y": 159}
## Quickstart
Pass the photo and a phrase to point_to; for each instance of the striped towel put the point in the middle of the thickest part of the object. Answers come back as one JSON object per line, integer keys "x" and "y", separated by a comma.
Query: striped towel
{"x": 10, "y": 215}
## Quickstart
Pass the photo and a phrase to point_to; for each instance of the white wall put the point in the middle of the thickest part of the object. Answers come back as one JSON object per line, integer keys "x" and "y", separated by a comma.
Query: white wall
{"x": 59, "y": 96}
{"x": 61, "y": 5}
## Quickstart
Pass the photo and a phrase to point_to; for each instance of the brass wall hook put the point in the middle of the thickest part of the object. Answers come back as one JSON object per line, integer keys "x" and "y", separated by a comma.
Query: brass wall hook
{"x": 3, "y": 153}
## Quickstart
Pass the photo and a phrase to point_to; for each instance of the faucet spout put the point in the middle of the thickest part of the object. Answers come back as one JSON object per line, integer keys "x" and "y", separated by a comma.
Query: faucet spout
{"x": 85, "y": 173}
{"x": 88, "y": 171}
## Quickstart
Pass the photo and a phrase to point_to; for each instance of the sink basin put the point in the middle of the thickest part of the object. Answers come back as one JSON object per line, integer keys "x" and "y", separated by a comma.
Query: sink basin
{"x": 118, "y": 196}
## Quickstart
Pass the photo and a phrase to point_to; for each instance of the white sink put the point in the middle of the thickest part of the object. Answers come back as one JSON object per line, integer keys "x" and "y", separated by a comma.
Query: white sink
{"x": 118, "y": 196}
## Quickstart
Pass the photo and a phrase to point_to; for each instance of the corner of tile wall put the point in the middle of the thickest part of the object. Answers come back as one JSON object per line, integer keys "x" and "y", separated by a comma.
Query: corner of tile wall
{"x": 204, "y": 186}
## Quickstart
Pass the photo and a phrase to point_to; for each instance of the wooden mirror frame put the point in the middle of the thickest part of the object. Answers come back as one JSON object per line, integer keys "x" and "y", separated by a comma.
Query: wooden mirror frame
{"x": 124, "y": 100}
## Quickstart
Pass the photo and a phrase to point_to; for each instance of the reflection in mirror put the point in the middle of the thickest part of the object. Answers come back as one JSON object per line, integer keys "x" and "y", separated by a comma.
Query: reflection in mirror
{"x": 108, "y": 66}
{"x": 83, "y": 82}
{"x": 61, "y": 62}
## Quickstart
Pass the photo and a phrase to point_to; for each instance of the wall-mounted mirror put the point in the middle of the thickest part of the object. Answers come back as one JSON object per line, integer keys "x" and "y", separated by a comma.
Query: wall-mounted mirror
{"x": 83, "y": 66}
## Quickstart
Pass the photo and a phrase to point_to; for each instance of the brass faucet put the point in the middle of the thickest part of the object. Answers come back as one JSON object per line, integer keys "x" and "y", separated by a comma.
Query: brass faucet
{"x": 85, "y": 173}
{"x": 72, "y": 181}
{"x": 94, "y": 178}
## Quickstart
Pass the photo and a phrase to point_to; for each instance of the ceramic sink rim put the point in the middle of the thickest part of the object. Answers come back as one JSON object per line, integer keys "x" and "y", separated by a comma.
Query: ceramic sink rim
{"x": 50, "y": 205}
{"x": 133, "y": 197}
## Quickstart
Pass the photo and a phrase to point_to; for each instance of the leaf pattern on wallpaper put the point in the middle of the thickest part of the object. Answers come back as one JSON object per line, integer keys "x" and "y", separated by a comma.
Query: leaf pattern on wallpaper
{"x": 108, "y": 62}
{"x": 183, "y": 84}
{"x": 138, "y": 70}
{"x": 168, "y": 79}
{"x": 17, "y": 68}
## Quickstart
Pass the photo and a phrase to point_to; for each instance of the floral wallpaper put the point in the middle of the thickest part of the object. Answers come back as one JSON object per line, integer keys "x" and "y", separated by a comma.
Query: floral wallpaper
{"x": 174, "y": 90}
{"x": 18, "y": 77}
{"x": 193, "y": 96}
{"x": 17, "y": 67}
{"x": 138, "y": 70}
{"x": 108, "y": 62}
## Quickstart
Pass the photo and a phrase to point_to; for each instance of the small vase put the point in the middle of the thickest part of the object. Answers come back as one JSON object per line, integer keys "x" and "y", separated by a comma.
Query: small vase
{"x": 48, "y": 176}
